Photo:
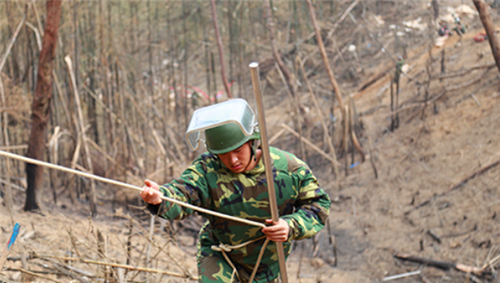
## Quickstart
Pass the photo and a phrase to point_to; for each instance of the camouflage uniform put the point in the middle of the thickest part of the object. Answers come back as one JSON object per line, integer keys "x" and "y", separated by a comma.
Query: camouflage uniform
{"x": 210, "y": 184}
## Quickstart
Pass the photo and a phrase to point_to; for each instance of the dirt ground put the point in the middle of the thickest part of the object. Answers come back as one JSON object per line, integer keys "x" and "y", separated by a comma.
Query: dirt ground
{"x": 415, "y": 205}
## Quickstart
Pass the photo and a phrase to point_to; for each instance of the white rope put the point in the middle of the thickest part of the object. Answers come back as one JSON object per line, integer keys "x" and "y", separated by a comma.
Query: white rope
{"x": 224, "y": 248}
{"x": 128, "y": 186}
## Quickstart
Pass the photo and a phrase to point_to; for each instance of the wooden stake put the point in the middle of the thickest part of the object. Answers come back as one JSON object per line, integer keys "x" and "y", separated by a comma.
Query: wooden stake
{"x": 268, "y": 165}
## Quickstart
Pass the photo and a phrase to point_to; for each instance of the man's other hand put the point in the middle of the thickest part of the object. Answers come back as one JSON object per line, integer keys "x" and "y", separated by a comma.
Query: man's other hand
{"x": 151, "y": 193}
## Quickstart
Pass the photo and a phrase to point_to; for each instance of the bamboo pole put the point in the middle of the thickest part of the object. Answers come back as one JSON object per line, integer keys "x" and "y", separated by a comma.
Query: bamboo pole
{"x": 322, "y": 119}
{"x": 4, "y": 123}
{"x": 354, "y": 138}
{"x": 92, "y": 195}
{"x": 37, "y": 16}
{"x": 128, "y": 186}
{"x": 268, "y": 165}
{"x": 11, "y": 43}
{"x": 326, "y": 62}
{"x": 296, "y": 105}
{"x": 311, "y": 145}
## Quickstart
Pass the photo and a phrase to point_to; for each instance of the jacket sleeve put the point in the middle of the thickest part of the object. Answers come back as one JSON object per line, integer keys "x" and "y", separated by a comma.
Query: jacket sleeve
{"x": 190, "y": 187}
{"x": 312, "y": 206}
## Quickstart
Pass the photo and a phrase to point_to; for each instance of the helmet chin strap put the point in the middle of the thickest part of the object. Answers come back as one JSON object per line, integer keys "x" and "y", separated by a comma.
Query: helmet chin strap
{"x": 253, "y": 149}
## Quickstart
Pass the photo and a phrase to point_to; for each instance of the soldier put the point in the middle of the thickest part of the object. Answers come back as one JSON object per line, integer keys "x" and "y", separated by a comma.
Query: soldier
{"x": 395, "y": 96}
{"x": 444, "y": 30}
{"x": 399, "y": 68}
{"x": 230, "y": 178}
{"x": 459, "y": 28}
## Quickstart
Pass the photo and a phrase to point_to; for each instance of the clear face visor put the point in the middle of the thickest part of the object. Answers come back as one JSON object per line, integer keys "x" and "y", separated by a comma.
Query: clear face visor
{"x": 232, "y": 111}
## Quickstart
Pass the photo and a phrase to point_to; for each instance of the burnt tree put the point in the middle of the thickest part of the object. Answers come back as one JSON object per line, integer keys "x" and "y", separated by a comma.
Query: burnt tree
{"x": 221, "y": 52}
{"x": 490, "y": 29}
{"x": 40, "y": 108}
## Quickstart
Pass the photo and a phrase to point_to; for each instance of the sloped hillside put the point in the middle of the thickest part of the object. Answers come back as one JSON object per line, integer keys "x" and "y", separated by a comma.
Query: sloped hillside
{"x": 432, "y": 190}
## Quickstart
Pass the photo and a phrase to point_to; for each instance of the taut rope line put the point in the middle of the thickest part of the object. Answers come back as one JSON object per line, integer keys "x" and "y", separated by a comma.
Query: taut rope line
{"x": 128, "y": 186}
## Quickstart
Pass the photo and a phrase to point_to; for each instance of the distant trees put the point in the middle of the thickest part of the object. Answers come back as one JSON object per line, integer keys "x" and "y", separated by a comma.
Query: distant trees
{"x": 41, "y": 103}
{"x": 140, "y": 69}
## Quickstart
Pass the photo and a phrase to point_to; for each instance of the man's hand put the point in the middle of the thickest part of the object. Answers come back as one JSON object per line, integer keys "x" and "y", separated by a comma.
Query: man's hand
{"x": 278, "y": 232}
{"x": 151, "y": 193}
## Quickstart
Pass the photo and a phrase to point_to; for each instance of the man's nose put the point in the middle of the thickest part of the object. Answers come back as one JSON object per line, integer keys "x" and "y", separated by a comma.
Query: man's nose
{"x": 234, "y": 158}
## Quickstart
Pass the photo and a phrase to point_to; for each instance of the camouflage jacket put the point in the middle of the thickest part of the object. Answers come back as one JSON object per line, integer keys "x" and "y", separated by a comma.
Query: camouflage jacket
{"x": 210, "y": 184}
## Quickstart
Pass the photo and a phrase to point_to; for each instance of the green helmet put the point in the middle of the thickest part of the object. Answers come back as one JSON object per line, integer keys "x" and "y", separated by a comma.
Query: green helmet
{"x": 226, "y": 138}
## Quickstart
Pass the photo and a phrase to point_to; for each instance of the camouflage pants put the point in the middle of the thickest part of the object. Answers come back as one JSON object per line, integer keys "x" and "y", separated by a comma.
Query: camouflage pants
{"x": 213, "y": 267}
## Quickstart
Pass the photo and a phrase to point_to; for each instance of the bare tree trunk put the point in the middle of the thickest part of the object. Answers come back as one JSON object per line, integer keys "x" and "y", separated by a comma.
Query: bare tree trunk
{"x": 276, "y": 53}
{"x": 221, "y": 52}
{"x": 41, "y": 103}
{"x": 435, "y": 8}
{"x": 231, "y": 27}
{"x": 207, "y": 56}
{"x": 325, "y": 59}
{"x": 490, "y": 29}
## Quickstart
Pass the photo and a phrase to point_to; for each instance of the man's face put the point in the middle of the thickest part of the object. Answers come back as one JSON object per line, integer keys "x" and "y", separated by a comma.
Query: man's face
{"x": 237, "y": 160}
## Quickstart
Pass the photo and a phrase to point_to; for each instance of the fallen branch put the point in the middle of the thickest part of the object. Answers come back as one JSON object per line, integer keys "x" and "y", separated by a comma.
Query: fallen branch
{"x": 398, "y": 276}
{"x": 418, "y": 104}
{"x": 14, "y": 147}
{"x": 463, "y": 72}
{"x": 456, "y": 186}
{"x": 130, "y": 267}
{"x": 478, "y": 172}
{"x": 5, "y": 182}
{"x": 434, "y": 236}
{"x": 37, "y": 274}
{"x": 60, "y": 268}
{"x": 445, "y": 265}
{"x": 309, "y": 143}
{"x": 468, "y": 83}
{"x": 429, "y": 262}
